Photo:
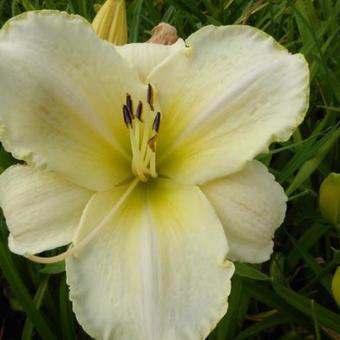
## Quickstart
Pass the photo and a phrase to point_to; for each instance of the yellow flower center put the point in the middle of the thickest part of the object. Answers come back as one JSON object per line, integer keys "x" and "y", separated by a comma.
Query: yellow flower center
{"x": 143, "y": 136}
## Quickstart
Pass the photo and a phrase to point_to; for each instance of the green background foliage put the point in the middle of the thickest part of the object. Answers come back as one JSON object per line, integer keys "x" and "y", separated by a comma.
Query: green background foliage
{"x": 288, "y": 297}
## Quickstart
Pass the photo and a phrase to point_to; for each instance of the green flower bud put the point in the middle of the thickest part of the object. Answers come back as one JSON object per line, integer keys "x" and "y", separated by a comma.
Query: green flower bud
{"x": 336, "y": 286}
{"x": 329, "y": 198}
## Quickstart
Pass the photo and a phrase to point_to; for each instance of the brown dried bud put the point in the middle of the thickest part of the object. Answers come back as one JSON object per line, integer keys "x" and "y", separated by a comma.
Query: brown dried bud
{"x": 163, "y": 34}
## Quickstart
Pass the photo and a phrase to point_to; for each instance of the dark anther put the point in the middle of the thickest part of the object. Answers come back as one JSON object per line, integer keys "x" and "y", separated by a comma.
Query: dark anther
{"x": 129, "y": 105}
{"x": 139, "y": 111}
{"x": 152, "y": 143}
{"x": 156, "y": 122}
{"x": 127, "y": 116}
{"x": 150, "y": 97}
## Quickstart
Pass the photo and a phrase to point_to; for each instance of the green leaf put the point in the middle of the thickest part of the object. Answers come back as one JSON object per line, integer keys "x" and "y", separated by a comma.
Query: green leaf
{"x": 14, "y": 280}
{"x": 238, "y": 305}
{"x": 250, "y": 272}
{"x": 311, "y": 263}
{"x": 324, "y": 316}
{"x": 134, "y": 15}
{"x": 268, "y": 323}
{"x": 38, "y": 299}
{"x": 28, "y": 6}
{"x": 310, "y": 236}
{"x": 53, "y": 268}
{"x": 66, "y": 314}
{"x": 264, "y": 293}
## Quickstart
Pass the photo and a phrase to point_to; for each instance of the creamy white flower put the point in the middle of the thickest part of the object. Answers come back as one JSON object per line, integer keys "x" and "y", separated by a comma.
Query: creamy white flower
{"x": 141, "y": 158}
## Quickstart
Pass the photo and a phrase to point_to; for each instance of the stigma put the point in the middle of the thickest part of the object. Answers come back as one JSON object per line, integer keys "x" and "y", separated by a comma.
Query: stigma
{"x": 143, "y": 134}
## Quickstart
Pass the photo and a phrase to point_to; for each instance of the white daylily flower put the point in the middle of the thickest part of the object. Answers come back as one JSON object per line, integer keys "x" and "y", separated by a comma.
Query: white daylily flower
{"x": 150, "y": 204}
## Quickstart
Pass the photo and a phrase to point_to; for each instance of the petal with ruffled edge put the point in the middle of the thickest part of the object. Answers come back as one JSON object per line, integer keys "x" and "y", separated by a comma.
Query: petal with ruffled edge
{"x": 251, "y": 206}
{"x": 42, "y": 210}
{"x": 147, "y": 56}
{"x": 157, "y": 270}
{"x": 61, "y": 92}
{"x": 224, "y": 99}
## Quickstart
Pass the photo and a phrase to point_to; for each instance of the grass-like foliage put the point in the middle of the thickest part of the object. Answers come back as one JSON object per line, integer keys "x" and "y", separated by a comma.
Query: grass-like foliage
{"x": 288, "y": 297}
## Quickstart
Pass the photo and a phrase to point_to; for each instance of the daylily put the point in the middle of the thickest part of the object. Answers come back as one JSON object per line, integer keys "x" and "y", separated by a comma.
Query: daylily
{"x": 141, "y": 158}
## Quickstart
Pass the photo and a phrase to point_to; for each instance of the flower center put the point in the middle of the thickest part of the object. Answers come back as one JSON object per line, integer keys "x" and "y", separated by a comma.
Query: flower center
{"x": 143, "y": 136}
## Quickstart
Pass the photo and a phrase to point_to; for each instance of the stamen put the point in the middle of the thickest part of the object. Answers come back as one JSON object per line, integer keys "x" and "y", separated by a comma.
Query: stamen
{"x": 144, "y": 144}
{"x": 139, "y": 121}
{"x": 129, "y": 105}
{"x": 153, "y": 172}
{"x": 139, "y": 111}
{"x": 156, "y": 122}
{"x": 150, "y": 97}
{"x": 89, "y": 236}
{"x": 137, "y": 132}
{"x": 150, "y": 158}
{"x": 143, "y": 137}
{"x": 137, "y": 161}
{"x": 152, "y": 143}
{"x": 127, "y": 116}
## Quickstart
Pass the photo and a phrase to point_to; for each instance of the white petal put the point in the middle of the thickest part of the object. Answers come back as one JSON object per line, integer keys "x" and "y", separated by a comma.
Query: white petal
{"x": 147, "y": 56}
{"x": 42, "y": 210}
{"x": 61, "y": 93}
{"x": 251, "y": 205}
{"x": 224, "y": 99}
{"x": 157, "y": 271}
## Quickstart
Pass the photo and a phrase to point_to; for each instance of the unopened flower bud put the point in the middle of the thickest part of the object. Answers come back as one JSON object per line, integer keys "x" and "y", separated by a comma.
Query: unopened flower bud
{"x": 110, "y": 22}
{"x": 336, "y": 286}
{"x": 329, "y": 198}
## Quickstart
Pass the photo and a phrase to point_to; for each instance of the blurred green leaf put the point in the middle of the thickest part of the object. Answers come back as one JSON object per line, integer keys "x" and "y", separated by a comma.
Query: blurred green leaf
{"x": 250, "y": 272}
{"x": 20, "y": 291}
{"x": 53, "y": 268}
{"x": 308, "y": 307}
